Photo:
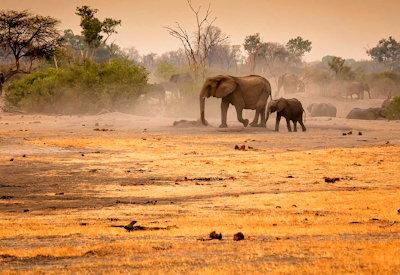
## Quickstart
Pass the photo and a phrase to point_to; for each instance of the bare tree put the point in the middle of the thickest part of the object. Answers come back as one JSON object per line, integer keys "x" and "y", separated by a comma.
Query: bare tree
{"x": 206, "y": 36}
{"x": 27, "y": 37}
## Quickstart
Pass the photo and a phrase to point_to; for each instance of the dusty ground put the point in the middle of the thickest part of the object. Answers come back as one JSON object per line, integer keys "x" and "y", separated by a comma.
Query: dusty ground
{"x": 59, "y": 202}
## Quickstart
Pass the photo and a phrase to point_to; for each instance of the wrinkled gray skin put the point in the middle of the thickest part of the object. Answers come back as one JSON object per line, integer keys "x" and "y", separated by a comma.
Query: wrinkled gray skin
{"x": 2, "y": 80}
{"x": 322, "y": 110}
{"x": 248, "y": 92}
{"x": 290, "y": 109}
{"x": 291, "y": 83}
{"x": 357, "y": 88}
{"x": 367, "y": 114}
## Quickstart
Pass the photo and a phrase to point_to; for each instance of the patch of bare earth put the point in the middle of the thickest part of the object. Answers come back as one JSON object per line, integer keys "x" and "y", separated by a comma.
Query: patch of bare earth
{"x": 67, "y": 190}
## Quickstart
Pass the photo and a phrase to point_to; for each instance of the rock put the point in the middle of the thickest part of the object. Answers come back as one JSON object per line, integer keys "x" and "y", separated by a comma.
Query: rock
{"x": 215, "y": 236}
{"x": 360, "y": 133}
{"x": 11, "y": 159}
{"x": 26, "y": 210}
{"x": 398, "y": 211}
{"x": 331, "y": 180}
{"x": 24, "y": 156}
{"x": 238, "y": 236}
{"x": 344, "y": 134}
{"x": 6, "y": 197}
{"x": 290, "y": 177}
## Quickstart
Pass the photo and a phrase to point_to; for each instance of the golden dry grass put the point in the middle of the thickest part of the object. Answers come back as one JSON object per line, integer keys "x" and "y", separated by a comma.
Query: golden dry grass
{"x": 291, "y": 224}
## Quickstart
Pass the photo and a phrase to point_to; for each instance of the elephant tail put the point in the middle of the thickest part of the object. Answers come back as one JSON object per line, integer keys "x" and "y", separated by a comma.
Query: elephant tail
{"x": 305, "y": 115}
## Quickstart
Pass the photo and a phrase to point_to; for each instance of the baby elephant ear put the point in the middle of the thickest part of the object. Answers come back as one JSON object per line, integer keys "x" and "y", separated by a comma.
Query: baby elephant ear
{"x": 282, "y": 103}
{"x": 226, "y": 86}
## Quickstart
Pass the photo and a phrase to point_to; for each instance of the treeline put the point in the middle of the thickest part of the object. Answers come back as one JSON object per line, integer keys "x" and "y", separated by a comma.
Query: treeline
{"x": 45, "y": 70}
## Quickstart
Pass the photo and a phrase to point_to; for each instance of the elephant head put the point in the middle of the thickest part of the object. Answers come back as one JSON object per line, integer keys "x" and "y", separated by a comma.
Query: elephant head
{"x": 277, "y": 105}
{"x": 219, "y": 86}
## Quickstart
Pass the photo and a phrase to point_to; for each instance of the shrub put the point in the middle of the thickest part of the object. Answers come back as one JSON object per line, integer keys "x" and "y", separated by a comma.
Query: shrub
{"x": 84, "y": 88}
{"x": 393, "y": 110}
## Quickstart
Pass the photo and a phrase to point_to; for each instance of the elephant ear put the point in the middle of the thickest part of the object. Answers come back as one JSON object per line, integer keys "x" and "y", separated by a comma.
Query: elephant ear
{"x": 226, "y": 85}
{"x": 282, "y": 103}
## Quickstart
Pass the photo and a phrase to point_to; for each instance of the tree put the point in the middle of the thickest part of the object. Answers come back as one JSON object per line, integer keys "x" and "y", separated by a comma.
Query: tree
{"x": 297, "y": 47}
{"x": 224, "y": 56}
{"x": 165, "y": 70}
{"x": 275, "y": 57}
{"x": 132, "y": 54}
{"x": 94, "y": 30}
{"x": 27, "y": 37}
{"x": 252, "y": 45}
{"x": 342, "y": 72}
{"x": 206, "y": 36}
{"x": 387, "y": 51}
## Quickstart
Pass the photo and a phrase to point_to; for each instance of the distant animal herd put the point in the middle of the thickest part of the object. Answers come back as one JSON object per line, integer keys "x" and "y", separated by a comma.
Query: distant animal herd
{"x": 254, "y": 92}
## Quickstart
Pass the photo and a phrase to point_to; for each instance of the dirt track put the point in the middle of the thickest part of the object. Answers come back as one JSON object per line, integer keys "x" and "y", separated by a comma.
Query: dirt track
{"x": 60, "y": 200}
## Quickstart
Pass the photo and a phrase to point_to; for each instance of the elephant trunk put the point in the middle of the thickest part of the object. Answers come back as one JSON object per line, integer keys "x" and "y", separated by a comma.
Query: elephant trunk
{"x": 268, "y": 112}
{"x": 202, "y": 107}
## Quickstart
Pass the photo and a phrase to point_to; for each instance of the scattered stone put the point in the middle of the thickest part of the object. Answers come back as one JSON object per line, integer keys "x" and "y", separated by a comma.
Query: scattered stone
{"x": 274, "y": 224}
{"x": 83, "y": 224}
{"x": 215, "y": 236}
{"x": 360, "y": 133}
{"x": 344, "y": 134}
{"x": 290, "y": 177}
{"x": 331, "y": 180}
{"x": 26, "y": 210}
{"x": 238, "y": 236}
{"x": 398, "y": 211}
{"x": 6, "y": 197}
{"x": 278, "y": 207}
{"x": 82, "y": 155}
{"x": 59, "y": 194}
{"x": 294, "y": 205}
{"x": 350, "y": 133}
{"x": 240, "y": 148}
{"x": 12, "y": 159}
{"x": 24, "y": 156}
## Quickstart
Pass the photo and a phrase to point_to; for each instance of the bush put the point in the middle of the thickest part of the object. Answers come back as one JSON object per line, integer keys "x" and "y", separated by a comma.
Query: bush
{"x": 84, "y": 88}
{"x": 393, "y": 110}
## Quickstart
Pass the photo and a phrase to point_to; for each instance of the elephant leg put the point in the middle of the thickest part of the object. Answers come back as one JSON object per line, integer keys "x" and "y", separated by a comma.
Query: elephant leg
{"x": 263, "y": 122}
{"x": 294, "y": 125}
{"x": 288, "y": 125}
{"x": 224, "y": 112}
{"x": 239, "y": 112}
{"x": 255, "y": 120}
{"x": 278, "y": 119}
{"x": 302, "y": 124}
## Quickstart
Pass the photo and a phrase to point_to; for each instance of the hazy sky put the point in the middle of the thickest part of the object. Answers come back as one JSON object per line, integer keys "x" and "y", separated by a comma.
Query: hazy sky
{"x": 337, "y": 27}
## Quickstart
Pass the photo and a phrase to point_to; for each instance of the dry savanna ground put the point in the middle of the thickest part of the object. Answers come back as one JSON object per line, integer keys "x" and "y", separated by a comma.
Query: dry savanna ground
{"x": 68, "y": 184}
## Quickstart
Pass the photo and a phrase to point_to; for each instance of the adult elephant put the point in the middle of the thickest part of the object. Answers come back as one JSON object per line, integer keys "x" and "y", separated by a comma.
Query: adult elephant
{"x": 357, "y": 88}
{"x": 248, "y": 92}
{"x": 291, "y": 83}
{"x": 367, "y": 114}
{"x": 322, "y": 110}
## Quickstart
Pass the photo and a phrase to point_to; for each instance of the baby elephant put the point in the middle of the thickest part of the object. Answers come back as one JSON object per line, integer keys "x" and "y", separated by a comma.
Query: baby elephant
{"x": 291, "y": 109}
